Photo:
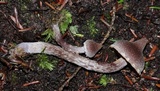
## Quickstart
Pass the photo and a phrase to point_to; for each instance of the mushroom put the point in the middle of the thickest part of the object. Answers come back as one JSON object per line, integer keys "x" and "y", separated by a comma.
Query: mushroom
{"x": 50, "y": 49}
{"x": 132, "y": 52}
{"x": 90, "y": 47}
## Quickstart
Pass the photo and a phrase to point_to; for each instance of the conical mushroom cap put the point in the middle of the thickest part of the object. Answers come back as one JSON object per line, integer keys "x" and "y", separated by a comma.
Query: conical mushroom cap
{"x": 132, "y": 52}
{"x": 91, "y": 47}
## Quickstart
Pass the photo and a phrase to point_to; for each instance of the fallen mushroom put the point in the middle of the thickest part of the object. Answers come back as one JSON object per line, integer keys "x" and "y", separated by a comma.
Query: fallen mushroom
{"x": 90, "y": 47}
{"x": 37, "y": 47}
{"x": 132, "y": 52}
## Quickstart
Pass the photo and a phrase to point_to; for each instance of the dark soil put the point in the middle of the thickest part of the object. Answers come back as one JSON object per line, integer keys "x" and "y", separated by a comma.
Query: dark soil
{"x": 31, "y": 14}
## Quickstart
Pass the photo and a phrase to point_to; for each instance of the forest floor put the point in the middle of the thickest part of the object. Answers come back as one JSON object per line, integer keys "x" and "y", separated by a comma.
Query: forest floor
{"x": 134, "y": 19}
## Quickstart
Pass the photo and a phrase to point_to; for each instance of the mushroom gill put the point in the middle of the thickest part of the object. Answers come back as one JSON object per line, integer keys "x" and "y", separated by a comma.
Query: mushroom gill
{"x": 132, "y": 52}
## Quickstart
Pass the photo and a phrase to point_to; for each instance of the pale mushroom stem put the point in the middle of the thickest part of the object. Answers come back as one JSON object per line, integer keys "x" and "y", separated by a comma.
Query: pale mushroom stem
{"x": 62, "y": 43}
{"x": 37, "y": 47}
{"x": 90, "y": 48}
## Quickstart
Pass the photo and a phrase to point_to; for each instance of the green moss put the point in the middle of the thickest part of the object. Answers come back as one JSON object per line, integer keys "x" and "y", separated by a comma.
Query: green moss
{"x": 49, "y": 35}
{"x": 120, "y": 1}
{"x": 74, "y": 31}
{"x": 45, "y": 63}
{"x": 91, "y": 25}
{"x": 66, "y": 19}
{"x": 104, "y": 80}
{"x": 14, "y": 78}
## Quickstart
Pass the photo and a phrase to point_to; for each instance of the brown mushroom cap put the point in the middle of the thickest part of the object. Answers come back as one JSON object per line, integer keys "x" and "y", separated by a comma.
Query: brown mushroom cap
{"x": 91, "y": 47}
{"x": 132, "y": 52}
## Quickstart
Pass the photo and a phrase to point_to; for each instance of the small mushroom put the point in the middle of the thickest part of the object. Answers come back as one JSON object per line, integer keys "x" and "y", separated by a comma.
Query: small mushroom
{"x": 132, "y": 52}
{"x": 90, "y": 47}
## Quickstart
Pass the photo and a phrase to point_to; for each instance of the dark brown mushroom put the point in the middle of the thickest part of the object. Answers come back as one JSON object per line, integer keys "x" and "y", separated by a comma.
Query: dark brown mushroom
{"x": 132, "y": 52}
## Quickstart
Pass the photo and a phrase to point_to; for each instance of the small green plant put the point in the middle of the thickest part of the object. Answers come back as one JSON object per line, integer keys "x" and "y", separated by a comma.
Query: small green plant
{"x": 49, "y": 35}
{"x": 154, "y": 7}
{"x": 45, "y": 63}
{"x": 14, "y": 78}
{"x": 104, "y": 80}
{"x": 113, "y": 40}
{"x": 108, "y": 17}
{"x": 120, "y": 1}
{"x": 91, "y": 24}
{"x": 124, "y": 3}
{"x": 151, "y": 89}
{"x": 146, "y": 65}
{"x": 74, "y": 31}
{"x": 66, "y": 19}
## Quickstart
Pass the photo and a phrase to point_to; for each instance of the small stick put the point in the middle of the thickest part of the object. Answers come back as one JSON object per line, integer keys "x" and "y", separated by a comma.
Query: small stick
{"x": 49, "y": 5}
{"x": 149, "y": 59}
{"x": 154, "y": 49}
{"x": 66, "y": 82}
{"x": 64, "y": 3}
{"x": 8, "y": 19}
{"x": 106, "y": 23}
{"x": 128, "y": 79}
{"x": 132, "y": 17}
{"x": 133, "y": 32}
{"x": 110, "y": 27}
{"x": 26, "y": 29}
{"x": 30, "y": 83}
{"x": 150, "y": 78}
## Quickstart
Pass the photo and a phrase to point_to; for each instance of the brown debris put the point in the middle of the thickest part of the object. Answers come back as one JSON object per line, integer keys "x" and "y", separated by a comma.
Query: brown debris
{"x": 30, "y": 83}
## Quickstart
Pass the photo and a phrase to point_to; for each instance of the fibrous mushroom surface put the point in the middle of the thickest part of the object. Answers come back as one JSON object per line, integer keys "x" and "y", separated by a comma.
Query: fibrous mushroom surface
{"x": 38, "y": 47}
{"x": 132, "y": 52}
{"x": 91, "y": 47}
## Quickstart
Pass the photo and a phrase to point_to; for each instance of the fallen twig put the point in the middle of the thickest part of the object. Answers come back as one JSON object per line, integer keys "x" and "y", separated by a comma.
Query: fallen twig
{"x": 49, "y": 5}
{"x": 110, "y": 26}
{"x": 63, "y": 4}
{"x": 67, "y": 81}
{"x": 8, "y": 19}
{"x": 16, "y": 21}
{"x": 30, "y": 83}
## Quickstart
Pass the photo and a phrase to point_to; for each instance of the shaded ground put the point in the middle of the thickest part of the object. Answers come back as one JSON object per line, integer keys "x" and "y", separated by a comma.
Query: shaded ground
{"x": 30, "y": 14}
